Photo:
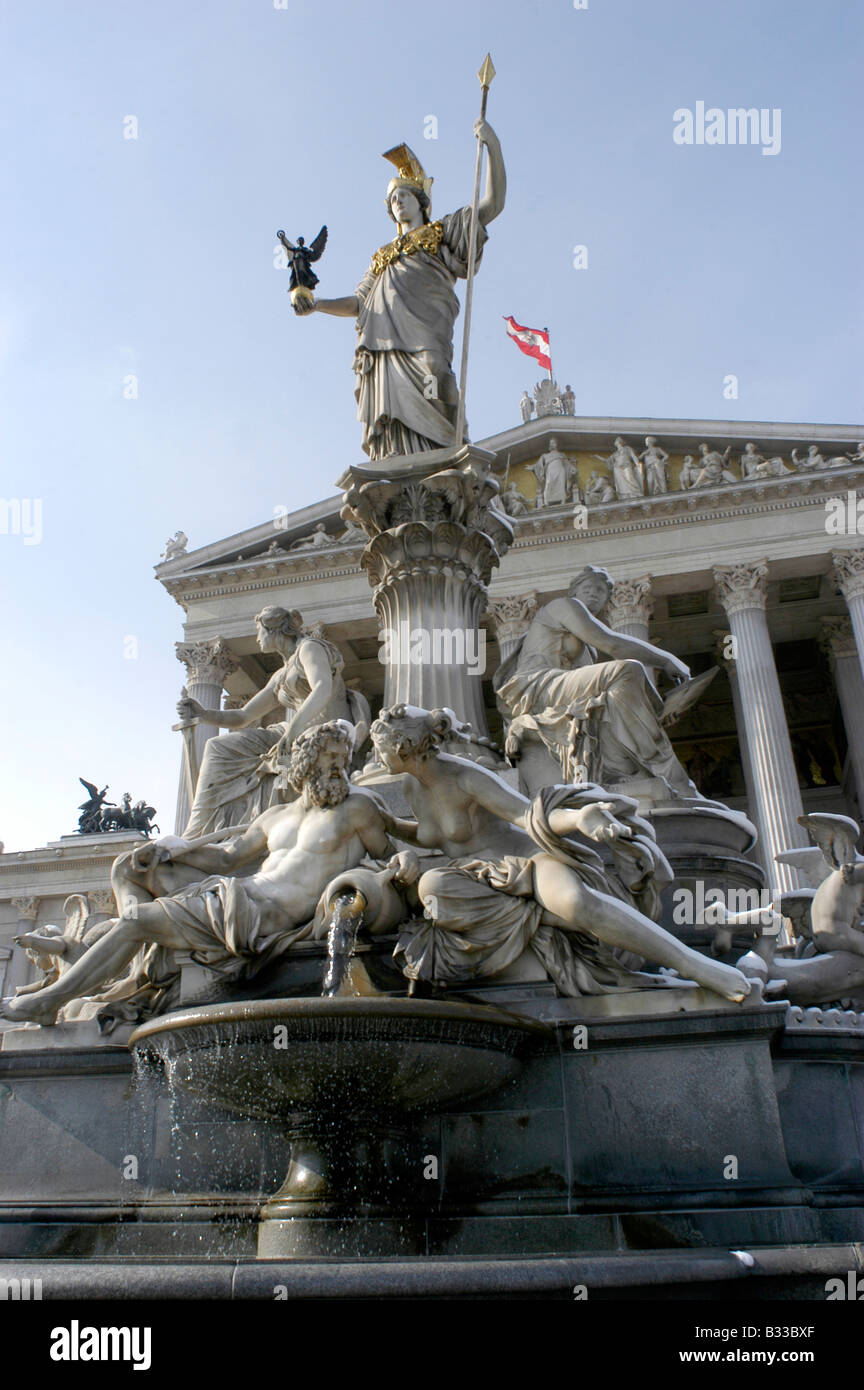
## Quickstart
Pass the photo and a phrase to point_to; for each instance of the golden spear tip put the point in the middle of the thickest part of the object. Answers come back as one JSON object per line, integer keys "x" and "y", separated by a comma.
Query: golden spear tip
{"x": 487, "y": 72}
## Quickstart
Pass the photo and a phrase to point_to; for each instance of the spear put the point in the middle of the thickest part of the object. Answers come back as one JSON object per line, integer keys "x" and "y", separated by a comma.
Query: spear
{"x": 486, "y": 73}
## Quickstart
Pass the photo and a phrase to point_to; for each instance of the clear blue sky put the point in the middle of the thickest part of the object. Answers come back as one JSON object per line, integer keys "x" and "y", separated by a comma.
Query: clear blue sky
{"x": 155, "y": 257}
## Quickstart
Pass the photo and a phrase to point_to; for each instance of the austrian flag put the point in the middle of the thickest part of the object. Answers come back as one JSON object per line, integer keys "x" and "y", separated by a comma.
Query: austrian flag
{"x": 532, "y": 341}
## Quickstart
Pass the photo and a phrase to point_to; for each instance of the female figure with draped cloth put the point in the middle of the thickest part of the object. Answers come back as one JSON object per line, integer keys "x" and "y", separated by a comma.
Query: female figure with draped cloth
{"x": 525, "y": 875}
{"x": 405, "y": 307}
{"x": 244, "y": 773}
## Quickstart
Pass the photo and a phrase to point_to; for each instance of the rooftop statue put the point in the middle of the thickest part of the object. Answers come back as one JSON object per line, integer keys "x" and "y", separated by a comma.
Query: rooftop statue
{"x": 512, "y": 501}
{"x": 547, "y": 398}
{"x": 242, "y": 774}
{"x": 598, "y": 489}
{"x": 90, "y": 820}
{"x": 99, "y": 816}
{"x": 175, "y": 545}
{"x": 556, "y": 477}
{"x": 654, "y": 461}
{"x": 710, "y": 470}
{"x": 406, "y": 308}
{"x": 626, "y": 469}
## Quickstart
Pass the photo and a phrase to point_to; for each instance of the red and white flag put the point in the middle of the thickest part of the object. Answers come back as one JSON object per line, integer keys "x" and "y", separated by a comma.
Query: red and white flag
{"x": 532, "y": 341}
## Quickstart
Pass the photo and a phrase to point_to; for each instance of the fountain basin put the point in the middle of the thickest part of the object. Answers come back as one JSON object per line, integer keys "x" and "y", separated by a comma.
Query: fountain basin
{"x": 271, "y": 1058}
{"x": 341, "y": 1077}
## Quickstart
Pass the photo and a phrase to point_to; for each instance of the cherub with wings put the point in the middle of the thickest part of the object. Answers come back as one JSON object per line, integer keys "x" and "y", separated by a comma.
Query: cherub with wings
{"x": 300, "y": 258}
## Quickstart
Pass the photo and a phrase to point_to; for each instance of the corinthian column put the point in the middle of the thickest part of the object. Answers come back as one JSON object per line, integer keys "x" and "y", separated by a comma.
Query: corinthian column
{"x": 838, "y": 642}
{"x": 723, "y": 647}
{"x": 512, "y": 618}
{"x": 207, "y": 664}
{"x": 849, "y": 578}
{"x": 742, "y": 592}
{"x": 631, "y": 606}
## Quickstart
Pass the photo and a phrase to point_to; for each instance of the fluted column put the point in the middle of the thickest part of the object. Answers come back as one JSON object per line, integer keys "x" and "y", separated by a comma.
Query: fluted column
{"x": 512, "y": 618}
{"x": 207, "y": 665}
{"x": 19, "y": 970}
{"x": 742, "y": 592}
{"x": 838, "y": 641}
{"x": 849, "y": 578}
{"x": 721, "y": 637}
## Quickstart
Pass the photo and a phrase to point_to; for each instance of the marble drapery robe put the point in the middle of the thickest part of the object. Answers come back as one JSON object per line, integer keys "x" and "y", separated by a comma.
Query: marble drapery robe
{"x": 406, "y": 392}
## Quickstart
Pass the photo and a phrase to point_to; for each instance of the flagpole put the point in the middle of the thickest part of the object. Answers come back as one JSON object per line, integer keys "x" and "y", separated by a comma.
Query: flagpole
{"x": 549, "y": 340}
{"x": 486, "y": 73}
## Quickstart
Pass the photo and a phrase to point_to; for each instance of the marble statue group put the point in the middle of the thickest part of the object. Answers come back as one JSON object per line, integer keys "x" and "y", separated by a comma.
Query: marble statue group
{"x": 546, "y": 848}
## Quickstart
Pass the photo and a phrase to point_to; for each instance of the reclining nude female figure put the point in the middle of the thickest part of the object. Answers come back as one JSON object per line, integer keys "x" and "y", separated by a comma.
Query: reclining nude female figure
{"x": 522, "y": 874}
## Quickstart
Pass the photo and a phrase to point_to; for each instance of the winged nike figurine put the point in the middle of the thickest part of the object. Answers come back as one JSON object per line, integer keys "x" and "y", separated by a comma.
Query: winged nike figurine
{"x": 300, "y": 257}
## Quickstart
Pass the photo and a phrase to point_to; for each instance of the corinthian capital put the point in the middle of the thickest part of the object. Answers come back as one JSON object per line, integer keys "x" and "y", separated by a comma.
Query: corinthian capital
{"x": 631, "y": 602}
{"x": 849, "y": 572}
{"x": 740, "y": 587}
{"x": 513, "y": 615}
{"x": 27, "y": 908}
{"x": 102, "y": 900}
{"x": 206, "y": 662}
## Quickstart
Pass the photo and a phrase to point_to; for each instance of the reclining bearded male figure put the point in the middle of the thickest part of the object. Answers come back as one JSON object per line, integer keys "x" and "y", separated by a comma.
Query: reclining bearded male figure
{"x": 227, "y": 922}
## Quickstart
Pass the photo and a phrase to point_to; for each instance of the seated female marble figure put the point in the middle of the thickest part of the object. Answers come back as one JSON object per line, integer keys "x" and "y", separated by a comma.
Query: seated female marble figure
{"x": 242, "y": 774}
{"x": 574, "y": 715}
{"x": 525, "y": 876}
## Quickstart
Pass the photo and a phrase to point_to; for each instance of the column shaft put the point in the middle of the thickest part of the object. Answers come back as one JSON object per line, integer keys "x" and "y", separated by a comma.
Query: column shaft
{"x": 778, "y": 797}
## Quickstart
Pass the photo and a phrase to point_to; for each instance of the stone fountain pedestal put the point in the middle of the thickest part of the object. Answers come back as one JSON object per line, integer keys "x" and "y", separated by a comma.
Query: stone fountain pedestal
{"x": 342, "y": 1078}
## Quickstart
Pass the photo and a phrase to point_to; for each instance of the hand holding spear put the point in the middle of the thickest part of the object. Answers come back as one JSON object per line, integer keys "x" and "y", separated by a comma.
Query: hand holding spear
{"x": 484, "y": 212}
